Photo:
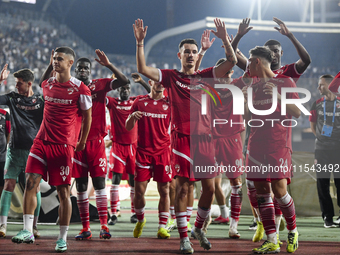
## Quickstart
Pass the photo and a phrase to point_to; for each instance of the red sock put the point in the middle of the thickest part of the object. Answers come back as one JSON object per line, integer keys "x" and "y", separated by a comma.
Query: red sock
{"x": 277, "y": 207}
{"x": 182, "y": 224}
{"x": 101, "y": 201}
{"x": 83, "y": 206}
{"x": 163, "y": 218}
{"x": 114, "y": 198}
{"x": 132, "y": 195}
{"x": 172, "y": 212}
{"x": 140, "y": 214}
{"x": 267, "y": 212}
{"x": 189, "y": 212}
{"x": 201, "y": 216}
{"x": 236, "y": 201}
{"x": 288, "y": 210}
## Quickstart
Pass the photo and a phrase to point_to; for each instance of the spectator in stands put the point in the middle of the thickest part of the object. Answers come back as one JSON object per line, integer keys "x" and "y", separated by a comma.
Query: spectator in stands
{"x": 325, "y": 124}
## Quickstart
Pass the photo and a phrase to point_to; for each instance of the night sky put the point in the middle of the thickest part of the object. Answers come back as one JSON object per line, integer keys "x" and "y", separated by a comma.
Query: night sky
{"x": 107, "y": 24}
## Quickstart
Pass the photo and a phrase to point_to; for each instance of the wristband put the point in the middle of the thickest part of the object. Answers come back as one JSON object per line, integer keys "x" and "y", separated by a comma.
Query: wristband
{"x": 202, "y": 52}
{"x": 140, "y": 44}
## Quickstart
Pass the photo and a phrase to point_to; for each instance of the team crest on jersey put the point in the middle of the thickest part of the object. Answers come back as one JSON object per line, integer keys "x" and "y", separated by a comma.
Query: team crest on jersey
{"x": 19, "y": 99}
{"x": 155, "y": 103}
{"x": 70, "y": 91}
{"x": 34, "y": 100}
{"x": 177, "y": 168}
{"x": 92, "y": 87}
{"x": 337, "y": 105}
{"x": 165, "y": 107}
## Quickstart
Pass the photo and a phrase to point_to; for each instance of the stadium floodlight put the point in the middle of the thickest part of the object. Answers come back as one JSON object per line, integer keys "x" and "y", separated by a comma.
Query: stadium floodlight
{"x": 259, "y": 25}
{"x": 22, "y": 1}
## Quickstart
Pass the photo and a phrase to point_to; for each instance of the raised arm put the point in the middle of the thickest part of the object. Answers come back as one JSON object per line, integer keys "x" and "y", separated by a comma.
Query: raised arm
{"x": 121, "y": 79}
{"x": 305, "y": 60}
{"x": 140, "y": 33}
{"x": 205, "y": 45}
{"x": 231, "y": 60}
{"x": 48, "y": 70}
{"x": 132, "y": 119}
{"x": 4, "y": 73}
{"x": 138, "y": 79}
{"x": 243, "y": 28}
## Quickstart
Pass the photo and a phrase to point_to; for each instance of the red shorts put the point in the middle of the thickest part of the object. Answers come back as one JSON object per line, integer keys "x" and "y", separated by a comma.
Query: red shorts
{"x": 122, "y": 159}
{"x": 53, "y": 161}
{"x": 193, "y": 157}
{"x": 269, "y": 166}
{"x": 229, "y": 155}
{"x": 157, "y": 167}
{"x": 90, "y": 160}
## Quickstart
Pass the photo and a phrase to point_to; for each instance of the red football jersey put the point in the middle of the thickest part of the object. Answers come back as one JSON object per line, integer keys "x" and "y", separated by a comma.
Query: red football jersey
{"x": 225, "y": 112}
{"x": 153, "y": 135}
{"x": 185, "y": 94}
{"x": 335, "y": 84}
{"x": 289, "y": 70}
{"x": 119, "y": 112}
{"x": 272, "y": 135}
{"x": 62, "y": 119}
{"x": 99, "y": 88}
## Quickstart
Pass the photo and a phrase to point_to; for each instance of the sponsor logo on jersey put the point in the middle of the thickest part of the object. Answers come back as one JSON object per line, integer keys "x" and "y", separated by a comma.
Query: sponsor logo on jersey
{"x": 146, "y": 103}
{"x": 92, "y": 87}
{"x": 70, "y": 91}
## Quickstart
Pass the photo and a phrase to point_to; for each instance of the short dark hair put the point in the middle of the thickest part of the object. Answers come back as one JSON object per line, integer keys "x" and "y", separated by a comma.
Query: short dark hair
{"x": 84, "y": 60}
{"x": 25, "y": 74}
{"x": 328, "y": 77}
{"x": 262, "y": 52}
{"x": 188, "y": 41}
{"x": 66, "y": 50}
{"x": 272, "y": 42}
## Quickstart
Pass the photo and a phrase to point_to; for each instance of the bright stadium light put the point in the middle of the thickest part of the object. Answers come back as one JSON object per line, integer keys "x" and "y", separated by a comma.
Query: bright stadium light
{"x": 22, "y": 1}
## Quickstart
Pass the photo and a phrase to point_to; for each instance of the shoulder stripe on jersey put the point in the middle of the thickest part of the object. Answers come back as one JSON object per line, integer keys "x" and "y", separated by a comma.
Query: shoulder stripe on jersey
{"x": 38, "y": 158}
{"x": 85, "y": 102}
{"x": 141, "y": 166}
{"x": 80, "y": 163}
{"x": 115, "y": 156}
{"x": 183, "y": 156}
{"x": 75, "y": 81}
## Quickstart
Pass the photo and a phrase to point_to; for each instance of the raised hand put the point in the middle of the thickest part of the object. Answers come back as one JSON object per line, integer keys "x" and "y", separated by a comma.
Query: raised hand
{"x": 283, "y": 28}
{"x": 220, "y": 32}
{"x": 268, "y": 89}
{"x": 244, "y": 27}
{"x": 139, "y": 30}
{"x": 136, "y": 77}
{"x": 205, "y": 40}
{"x": 4, "y": 73}
{"x": 102, "y": 58}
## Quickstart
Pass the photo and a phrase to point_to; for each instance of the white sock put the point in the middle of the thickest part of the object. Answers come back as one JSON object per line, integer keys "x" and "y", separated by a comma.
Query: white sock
{"x": 28, "y": 222}
{"x": 224, "y": 211}
{"x": 272, "y": 238}
{"x": 233, "y": 223}
{"x": 3, "y": 220}
{"x": 63, "y": 232}
{"x": 277, "y": 222}
{"x": 293, "y": 231}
